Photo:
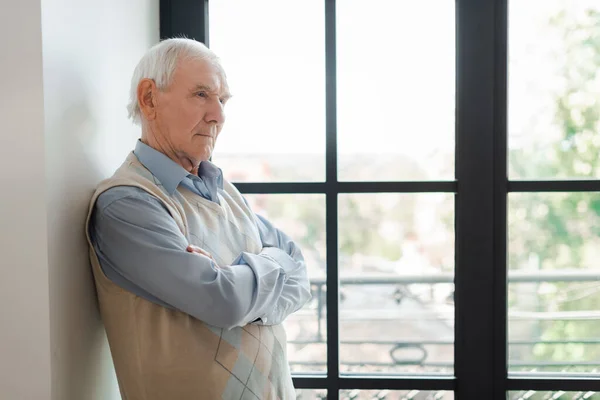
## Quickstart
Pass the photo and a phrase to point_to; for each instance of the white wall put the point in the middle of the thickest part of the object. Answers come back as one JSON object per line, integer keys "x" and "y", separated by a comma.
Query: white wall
{"x": 67, "y": 132}
{"x": 24, "y": 327}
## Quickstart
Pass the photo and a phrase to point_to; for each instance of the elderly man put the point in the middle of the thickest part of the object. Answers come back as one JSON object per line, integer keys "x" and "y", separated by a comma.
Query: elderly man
{"x": 192, "y": 285}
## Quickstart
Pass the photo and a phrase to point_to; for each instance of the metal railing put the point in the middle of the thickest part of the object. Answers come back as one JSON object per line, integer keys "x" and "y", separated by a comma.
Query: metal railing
{"x": 419, "y": 347}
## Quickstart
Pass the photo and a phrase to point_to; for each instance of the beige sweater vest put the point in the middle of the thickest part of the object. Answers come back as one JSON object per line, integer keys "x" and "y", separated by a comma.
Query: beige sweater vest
{"x": 163, "y": 354}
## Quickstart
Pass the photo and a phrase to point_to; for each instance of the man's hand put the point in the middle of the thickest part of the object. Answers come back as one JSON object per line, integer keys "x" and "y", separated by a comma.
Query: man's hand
{"x": 195, "y": 249}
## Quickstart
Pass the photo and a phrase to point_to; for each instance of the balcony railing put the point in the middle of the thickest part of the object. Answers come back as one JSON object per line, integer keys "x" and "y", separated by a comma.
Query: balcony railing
{"x": 419, "y": 348}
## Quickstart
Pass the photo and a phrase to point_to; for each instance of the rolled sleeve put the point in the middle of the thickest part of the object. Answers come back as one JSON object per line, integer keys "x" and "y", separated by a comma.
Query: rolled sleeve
{"x": 289, "y": 265}
{"x": 284, "y": 251}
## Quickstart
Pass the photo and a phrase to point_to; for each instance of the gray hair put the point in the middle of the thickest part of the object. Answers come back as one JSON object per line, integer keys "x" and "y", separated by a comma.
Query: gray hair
{"x": 159, "y": 64}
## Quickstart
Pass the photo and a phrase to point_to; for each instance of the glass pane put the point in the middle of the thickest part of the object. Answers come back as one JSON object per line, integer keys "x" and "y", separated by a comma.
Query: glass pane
{"x": 275, "y": 129}
{"x": 396, "y": 89}
{"x": 395, "y": 395}
{"x": 554, "y": 286}
{"x": 302, "y": 217}
{"x": 553, "y": 90}
{"x": 533, "y": 395}
{"x": 311, "y": 394}
{"x": 396, "y": 258}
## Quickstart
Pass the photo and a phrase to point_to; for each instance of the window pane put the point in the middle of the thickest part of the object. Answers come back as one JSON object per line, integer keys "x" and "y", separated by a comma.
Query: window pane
{"x": 554, "y": 289}
{"x": 302, "y": 217}
{"x": 396, "y": 259}
{"x": 396, "y": 89}
{"x": 533, "y": 395}
{"x": 275, "y": 129}
{"x": 554, "y": 87}
{"x": 395, "y": 395}
{"x": 311, "y": 394}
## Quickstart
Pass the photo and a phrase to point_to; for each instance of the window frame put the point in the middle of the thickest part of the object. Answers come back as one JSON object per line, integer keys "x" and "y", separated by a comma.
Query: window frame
{"x": 481, "y": 188}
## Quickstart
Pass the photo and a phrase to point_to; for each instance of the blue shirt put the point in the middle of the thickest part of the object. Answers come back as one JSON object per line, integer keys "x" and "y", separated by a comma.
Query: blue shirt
{"x": 141, "y": 249}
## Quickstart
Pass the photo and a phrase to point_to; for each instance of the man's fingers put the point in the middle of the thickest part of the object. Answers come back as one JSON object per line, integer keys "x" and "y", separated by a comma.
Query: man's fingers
{"x": 195, "y": 249}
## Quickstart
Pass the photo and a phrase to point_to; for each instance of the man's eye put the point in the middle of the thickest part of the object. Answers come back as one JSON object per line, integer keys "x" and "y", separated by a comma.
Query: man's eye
{"x": 202, "y": 94}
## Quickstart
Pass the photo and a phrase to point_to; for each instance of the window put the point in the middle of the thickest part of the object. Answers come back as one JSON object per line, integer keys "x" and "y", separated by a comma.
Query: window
{"x": 439, "y": 163}
{"x": 554, "y": 207}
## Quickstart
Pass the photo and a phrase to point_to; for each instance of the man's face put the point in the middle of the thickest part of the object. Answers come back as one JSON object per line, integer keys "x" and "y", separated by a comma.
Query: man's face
{"x": 189, "y": 113}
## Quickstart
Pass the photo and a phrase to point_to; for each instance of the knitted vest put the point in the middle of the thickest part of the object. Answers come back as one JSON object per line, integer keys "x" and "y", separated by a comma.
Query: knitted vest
{"x": 163, "y": 354}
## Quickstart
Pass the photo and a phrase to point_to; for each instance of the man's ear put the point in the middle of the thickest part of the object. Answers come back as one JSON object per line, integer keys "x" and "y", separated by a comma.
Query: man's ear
{"x": 146, "y": 96}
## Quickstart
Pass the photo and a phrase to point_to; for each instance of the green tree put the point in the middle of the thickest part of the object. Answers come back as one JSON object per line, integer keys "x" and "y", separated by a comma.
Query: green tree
{"x": 561, "y": 230}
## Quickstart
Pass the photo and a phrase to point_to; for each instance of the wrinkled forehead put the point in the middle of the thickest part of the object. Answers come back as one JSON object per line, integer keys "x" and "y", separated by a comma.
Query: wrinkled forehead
{"x": 201, "y": 72}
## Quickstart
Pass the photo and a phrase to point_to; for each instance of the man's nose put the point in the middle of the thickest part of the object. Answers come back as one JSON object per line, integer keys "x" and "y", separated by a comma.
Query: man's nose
{"x": 215, "y": 113}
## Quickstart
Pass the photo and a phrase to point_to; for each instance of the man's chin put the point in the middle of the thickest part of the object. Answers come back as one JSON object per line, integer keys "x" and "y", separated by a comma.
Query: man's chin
{"x": 205, "y": 156}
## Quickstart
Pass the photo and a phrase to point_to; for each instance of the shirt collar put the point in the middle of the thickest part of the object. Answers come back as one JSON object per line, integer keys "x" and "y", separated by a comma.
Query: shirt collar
{"x": 168, "y": 172}
{"x": 208, "y": 170}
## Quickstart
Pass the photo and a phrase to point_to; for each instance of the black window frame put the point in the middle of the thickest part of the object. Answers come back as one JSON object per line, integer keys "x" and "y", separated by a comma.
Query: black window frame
{"x": 481, "y": 189}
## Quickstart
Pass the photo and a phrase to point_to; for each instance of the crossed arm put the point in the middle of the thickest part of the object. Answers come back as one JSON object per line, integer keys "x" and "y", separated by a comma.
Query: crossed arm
{"x": 141, "y": 249}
